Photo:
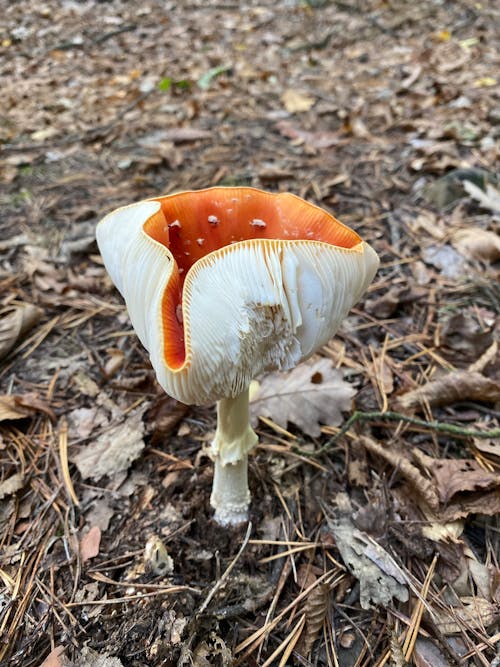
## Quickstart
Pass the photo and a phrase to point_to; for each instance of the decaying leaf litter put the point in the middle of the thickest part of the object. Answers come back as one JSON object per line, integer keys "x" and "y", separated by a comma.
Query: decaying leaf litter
{"x": 386, "y": 114}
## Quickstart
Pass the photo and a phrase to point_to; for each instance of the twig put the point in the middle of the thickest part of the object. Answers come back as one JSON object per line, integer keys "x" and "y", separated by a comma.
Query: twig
{"x": 441, "y": 427}
{"x": 226, "y": 574}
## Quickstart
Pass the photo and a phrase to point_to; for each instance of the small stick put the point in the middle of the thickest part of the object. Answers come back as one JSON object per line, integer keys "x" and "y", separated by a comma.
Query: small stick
{"x": 441, "y": 427}
{"x": 228, "y": 571}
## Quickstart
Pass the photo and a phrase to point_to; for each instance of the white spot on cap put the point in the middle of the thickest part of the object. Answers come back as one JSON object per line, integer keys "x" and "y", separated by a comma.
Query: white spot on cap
{"x": 200, "y": 241}
{"x": 175, "y": 223}
{"x": 257, "y": 222}
{"x": 213, "y": 220}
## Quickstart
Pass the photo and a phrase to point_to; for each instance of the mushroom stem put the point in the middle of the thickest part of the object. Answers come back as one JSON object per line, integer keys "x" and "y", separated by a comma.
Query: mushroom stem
{"x": 234, "y": 438}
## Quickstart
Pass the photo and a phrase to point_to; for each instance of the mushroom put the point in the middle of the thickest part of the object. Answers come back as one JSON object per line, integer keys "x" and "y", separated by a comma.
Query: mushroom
{"x": 223, "y": 284}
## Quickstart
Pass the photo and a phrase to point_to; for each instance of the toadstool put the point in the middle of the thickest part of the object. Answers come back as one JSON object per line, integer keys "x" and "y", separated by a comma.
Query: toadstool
{"x": 222, "y": 284}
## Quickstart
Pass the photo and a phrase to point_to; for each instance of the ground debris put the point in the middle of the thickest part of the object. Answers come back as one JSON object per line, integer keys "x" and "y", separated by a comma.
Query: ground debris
{"x": 380, "y": 577}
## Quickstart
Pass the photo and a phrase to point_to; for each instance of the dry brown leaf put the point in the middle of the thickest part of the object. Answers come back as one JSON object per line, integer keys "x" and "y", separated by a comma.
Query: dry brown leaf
{"x": 164, "y": 415}
{"x": 20, "y": 406}
{"x": 476, "y": 243}
{"x": 386, "y": 305}
{"x": 311, "y": 393}
{"x": 11, "y": 485}
{"x": 294, "y": 101}
{"x": 458, "y": 475}
{"x": 454, "y": 387}
{"x": 462, "y": 332}
{"x": 476, "y": 612}
{"x": 421, "y": 484}
{"x": 14, "y": 324}
{"x": 89, "y": 544}
{"x": 114, "y": 450}
{"x": 380, "y": 577}
{"x": 487, "y": 446}
{"x": 54, "y": 659}
{"x": 318, "y": 140}
{"x": 10, "y": 409}
{"x": 480, "y": 502}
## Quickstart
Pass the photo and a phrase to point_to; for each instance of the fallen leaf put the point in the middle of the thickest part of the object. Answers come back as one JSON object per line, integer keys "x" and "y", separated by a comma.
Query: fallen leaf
{"x": 164, "y": 415}
{"x": 481, "y": 502}
{"x": 11, "y": 485}
{"x": 311, "y": 393}
{"x": 82, "y": 421}
{"x": 14, "y": 324}
{"x": 437, "y": 531}
{"x": 357, "y": 128}
{"x": 455, "y": 387}
{"x": 477, "y": 244}
{"x": 475, "y": 612}
{"x": 380, "y": 577}
{"x": 318, "y": 140}
{"x": 114, "y": 362}
{"x": 462, "y": 333}
{"x": 100, "y": 514}
{"x": 386, "y": 305}
{"x": 44, "y": 134}
{"x": 489, "y": 197}
{"x": 89, "y": 544}
{"x": 455, "y": 476}
{"x": 20, "y": 406}
{"x": 212, "y": 651}
{"x": 398, "y": 461}
{"x": 54, "y": 659}
{"x": 427, "y": 654}
{"x": 90, "y": 658}
{"x": 487, "y": 446}
{"x": 114, "y": 450}
{"x": 445, "y": 258}
{"x": 294, "y": 101}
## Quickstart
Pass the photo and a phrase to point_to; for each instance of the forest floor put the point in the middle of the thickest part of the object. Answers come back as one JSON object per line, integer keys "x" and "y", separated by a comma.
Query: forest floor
{"x": 383, "y": 548}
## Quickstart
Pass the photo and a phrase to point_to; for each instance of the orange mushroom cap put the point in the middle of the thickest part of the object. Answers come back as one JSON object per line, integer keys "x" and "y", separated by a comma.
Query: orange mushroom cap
{"x": 225, "y": 283}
